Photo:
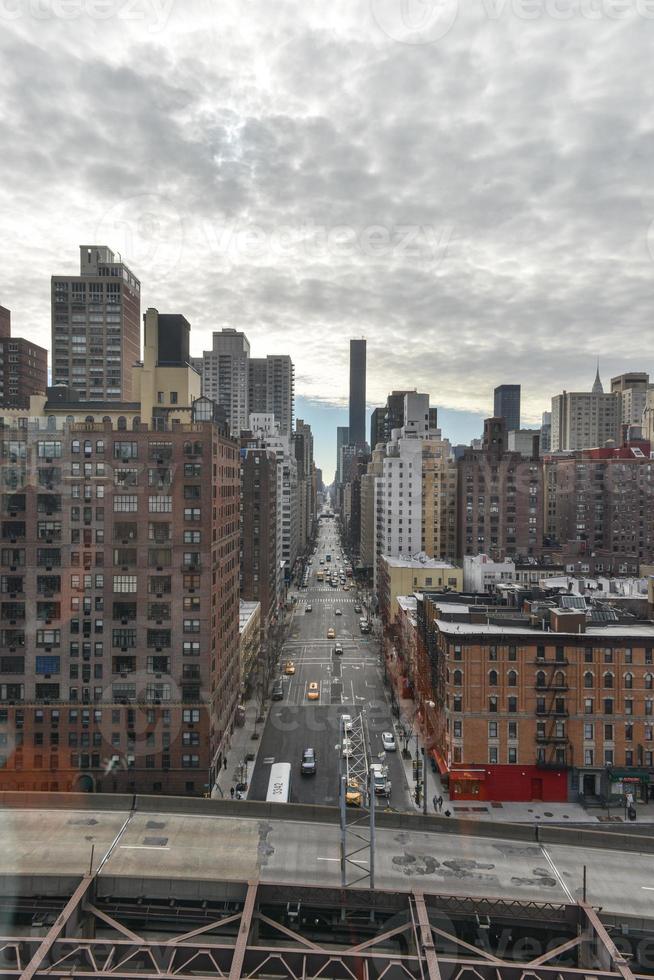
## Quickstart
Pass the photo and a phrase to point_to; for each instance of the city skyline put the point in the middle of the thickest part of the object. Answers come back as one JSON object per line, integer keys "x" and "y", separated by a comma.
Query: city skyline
{"x": 250, "y": 198}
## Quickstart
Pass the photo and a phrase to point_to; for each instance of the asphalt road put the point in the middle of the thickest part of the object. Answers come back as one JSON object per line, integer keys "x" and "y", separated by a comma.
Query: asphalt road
{"x": 350, "y": 683}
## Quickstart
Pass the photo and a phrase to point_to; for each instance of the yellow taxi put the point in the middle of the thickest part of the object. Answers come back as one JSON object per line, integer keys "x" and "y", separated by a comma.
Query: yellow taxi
{"x": 353, "y": 795}
{"x": 313, "y": 691}
{"x": 330, "y": 633}
{"x": 289, "y": 667}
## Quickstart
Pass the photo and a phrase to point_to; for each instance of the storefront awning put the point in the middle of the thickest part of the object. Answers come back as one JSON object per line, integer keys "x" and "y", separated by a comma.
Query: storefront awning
{"x": 440, "y": 762}
{"x": 629, "y": 776}
{"x": 477, "y": 775}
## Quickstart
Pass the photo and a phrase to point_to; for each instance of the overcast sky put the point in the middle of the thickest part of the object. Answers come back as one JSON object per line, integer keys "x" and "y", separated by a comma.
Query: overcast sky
{"x": 470, "y": 189}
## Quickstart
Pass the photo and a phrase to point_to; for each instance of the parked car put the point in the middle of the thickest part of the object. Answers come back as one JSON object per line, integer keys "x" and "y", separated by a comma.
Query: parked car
{"x": 388, "y": 741}
{"x": 278, "y": 690}
{"x": 357, "y": 608}
{"x": 308, "y": 765}
{"x": 347, "y": 723}
{"x": 346, "y": 747}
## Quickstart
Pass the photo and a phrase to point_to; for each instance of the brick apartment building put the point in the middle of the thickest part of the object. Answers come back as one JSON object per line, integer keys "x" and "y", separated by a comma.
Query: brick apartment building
{"x": 602, "y": 500}
{"x": 119, "y": 577}
{"x": 523, "y": 713}
{"x": 23, "y": 366}
{"x": 258, "y": 528}
{"x": 119, "y": 606}
{"x": 500, "y": 499}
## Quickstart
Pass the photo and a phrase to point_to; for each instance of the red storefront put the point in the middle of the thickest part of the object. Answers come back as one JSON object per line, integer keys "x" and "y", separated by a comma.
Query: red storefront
{"x": 510, "y": 784}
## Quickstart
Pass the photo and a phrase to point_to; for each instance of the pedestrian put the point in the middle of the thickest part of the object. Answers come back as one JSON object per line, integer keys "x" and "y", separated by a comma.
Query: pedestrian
{"x": 225, "y": 763}
{"x": 440, "y": 803}
{"x": 231, "y": 792}
{"x": 447, "y": 813}
{"x": 435, "y": 803}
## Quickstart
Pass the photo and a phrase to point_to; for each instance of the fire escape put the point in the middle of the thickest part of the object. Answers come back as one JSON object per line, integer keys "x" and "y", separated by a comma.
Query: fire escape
{"x": 553, "y": 745}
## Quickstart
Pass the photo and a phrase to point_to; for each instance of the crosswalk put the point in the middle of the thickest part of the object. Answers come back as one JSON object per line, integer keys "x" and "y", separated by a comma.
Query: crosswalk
{"x": 331, "y": 597}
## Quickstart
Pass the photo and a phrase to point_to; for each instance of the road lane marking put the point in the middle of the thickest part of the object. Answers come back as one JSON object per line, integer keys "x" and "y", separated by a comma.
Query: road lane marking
{"x": 647, "y": 888}
{"x": 143, "y": 847}
{"x": 557, "y": 875}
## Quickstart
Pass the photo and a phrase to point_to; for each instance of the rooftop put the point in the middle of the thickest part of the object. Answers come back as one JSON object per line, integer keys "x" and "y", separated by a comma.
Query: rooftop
{"x": 642, "y": 630}
{"x": 420, "y": 561}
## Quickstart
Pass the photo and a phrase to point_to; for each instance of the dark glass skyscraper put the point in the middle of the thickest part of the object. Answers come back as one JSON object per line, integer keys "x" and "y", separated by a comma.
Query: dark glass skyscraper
{"x": 507, "y": 405}
{"x": 357, "y": 392}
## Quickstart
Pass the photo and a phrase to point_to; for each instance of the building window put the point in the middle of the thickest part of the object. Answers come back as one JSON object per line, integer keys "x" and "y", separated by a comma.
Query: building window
{"x": 512, "y": 678}
{"x": 492, "y": 678}
{"x": 492, "y": 754}
{"x": 160, "y": 505}
{"x": 513, "y": 755}
{"x": 492, "y": 729}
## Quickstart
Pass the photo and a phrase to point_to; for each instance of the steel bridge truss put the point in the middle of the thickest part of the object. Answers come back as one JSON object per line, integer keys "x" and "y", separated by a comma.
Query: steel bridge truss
{"x": 108, "y": 928}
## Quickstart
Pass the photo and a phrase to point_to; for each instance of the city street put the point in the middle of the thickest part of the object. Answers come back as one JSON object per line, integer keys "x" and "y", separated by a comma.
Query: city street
{"x": 351, "y": 683}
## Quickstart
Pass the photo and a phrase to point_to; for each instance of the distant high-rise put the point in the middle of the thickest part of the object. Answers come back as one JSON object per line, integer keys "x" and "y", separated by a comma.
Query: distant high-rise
{"x": 225, "y": 376}
{"x": 585, "y": 419}
{"x": 342, "y": 439}
{"x": 507, "y": 405}
{"x": 96, "y": 327}
{"x": 377, "y": 426}
{"x": 357, "y": 392}
{"x": 271, "y": 389}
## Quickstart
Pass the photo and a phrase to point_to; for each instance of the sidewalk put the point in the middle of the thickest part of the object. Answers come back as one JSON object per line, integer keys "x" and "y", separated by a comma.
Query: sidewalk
{"x": 241, "y": 745}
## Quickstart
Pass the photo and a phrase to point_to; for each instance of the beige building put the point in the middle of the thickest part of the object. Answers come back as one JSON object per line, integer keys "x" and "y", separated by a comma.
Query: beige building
{"x": 368, "y": 514}
{"x": 585, "y": 419}
{"x": 439, "y": 488}
{"x": 403, "y": 576}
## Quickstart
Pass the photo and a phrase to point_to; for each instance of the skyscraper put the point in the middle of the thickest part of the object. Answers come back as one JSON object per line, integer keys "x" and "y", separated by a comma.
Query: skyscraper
{"x": 357, "y": 392}
{"x": 96, "y": 327}
{"x": 585, "y": 419}
{"x": 225, "y": 376}
{"x": 507, "y": 405}
{"x": 271, "y": 389}
{"x": 342, "y": 439}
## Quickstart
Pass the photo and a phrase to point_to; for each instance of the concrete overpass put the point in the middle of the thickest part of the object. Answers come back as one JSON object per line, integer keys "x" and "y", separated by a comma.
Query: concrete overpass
{"x": 159, "y": 887}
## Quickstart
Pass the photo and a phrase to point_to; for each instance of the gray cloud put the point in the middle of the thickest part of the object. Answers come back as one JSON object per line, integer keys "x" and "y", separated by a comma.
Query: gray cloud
{"x": 478, "y": 207}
